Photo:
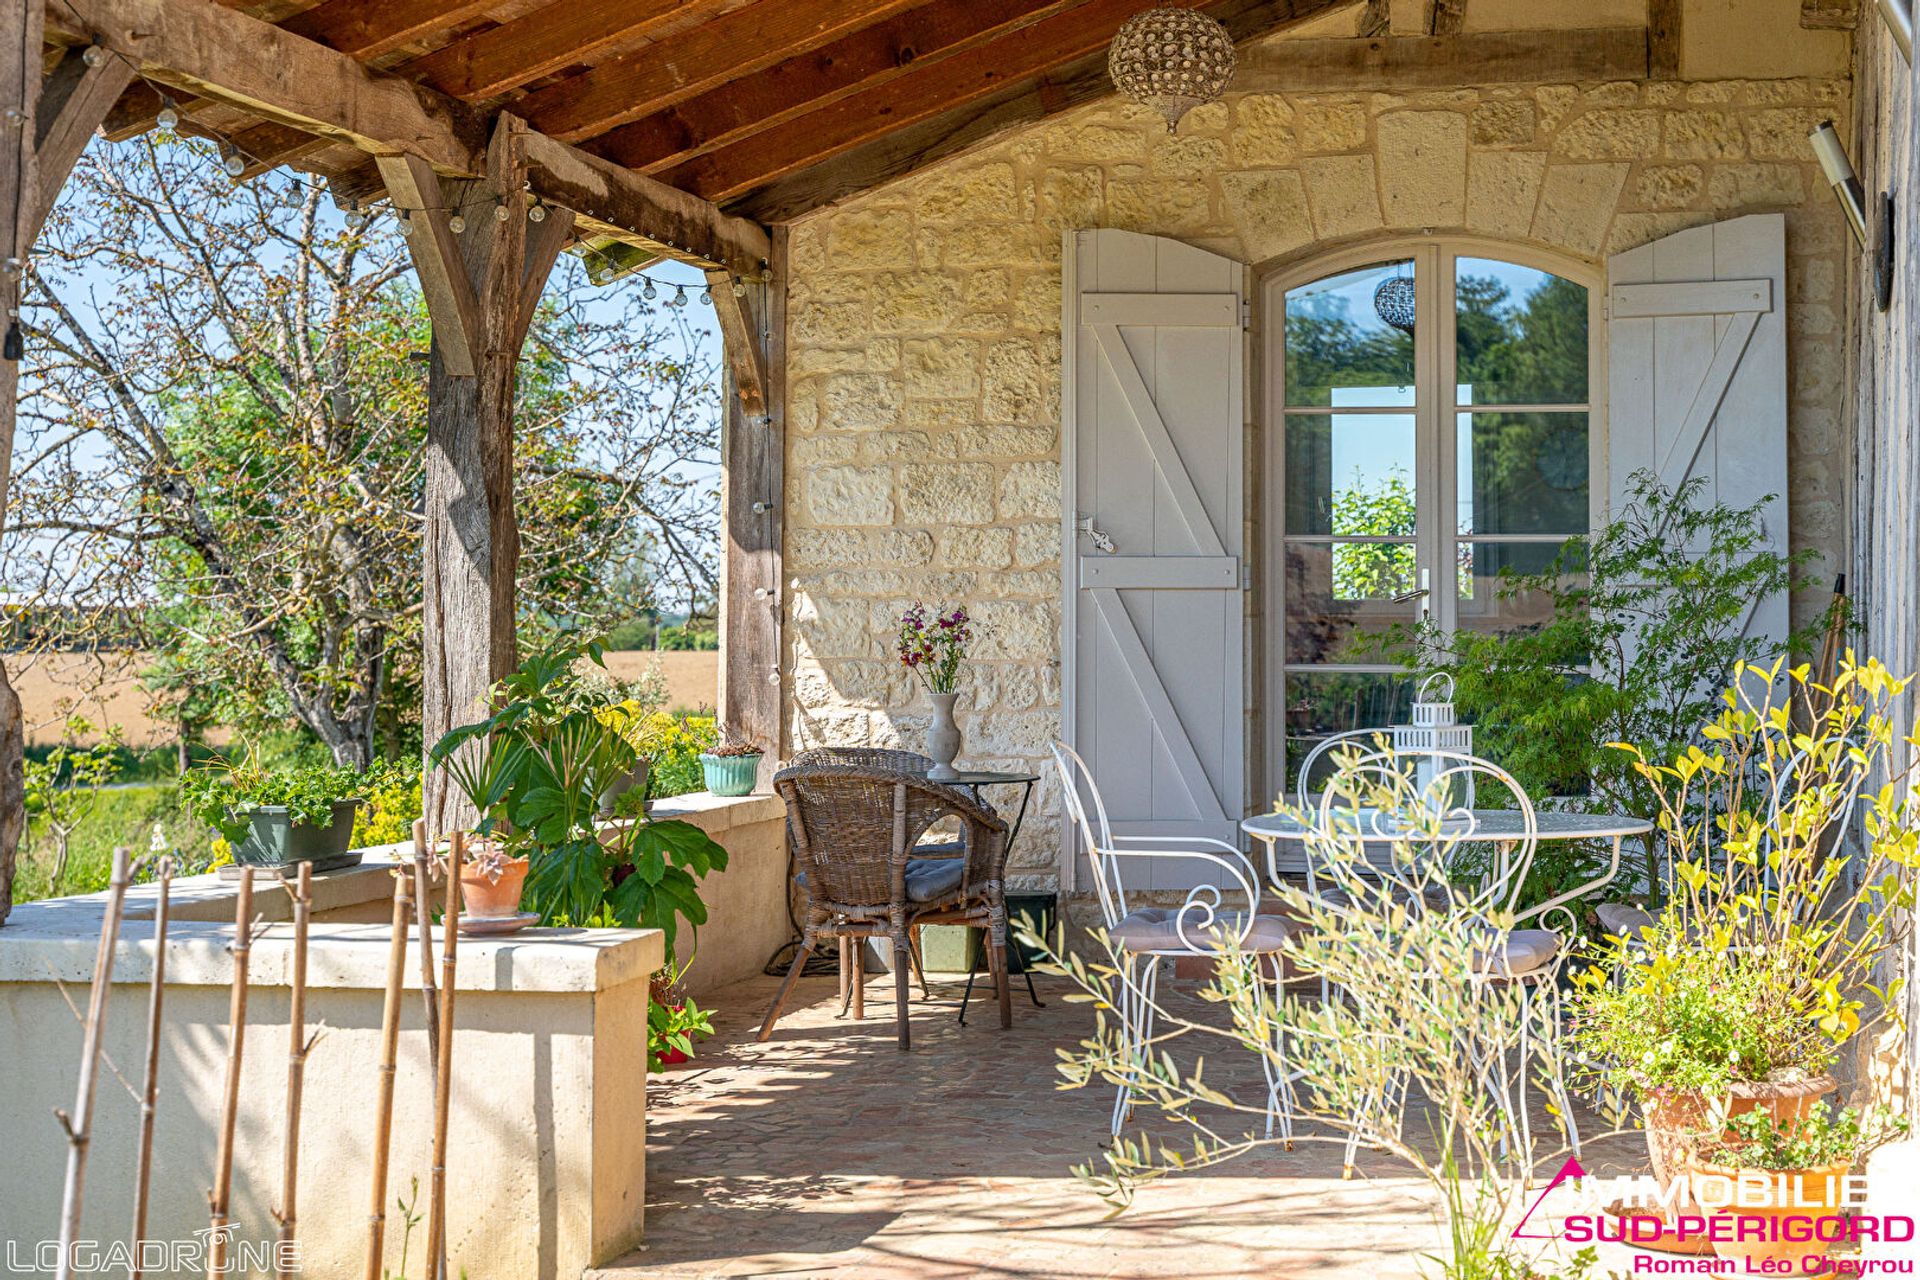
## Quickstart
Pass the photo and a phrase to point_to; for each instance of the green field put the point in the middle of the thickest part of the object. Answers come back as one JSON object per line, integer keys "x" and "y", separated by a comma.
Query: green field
{"x": 123, "y": 815}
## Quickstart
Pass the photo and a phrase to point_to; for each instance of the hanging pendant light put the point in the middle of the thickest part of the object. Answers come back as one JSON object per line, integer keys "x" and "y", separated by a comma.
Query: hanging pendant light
{"x": 1393, "y": 303}
{"x": 1172, "y": 60}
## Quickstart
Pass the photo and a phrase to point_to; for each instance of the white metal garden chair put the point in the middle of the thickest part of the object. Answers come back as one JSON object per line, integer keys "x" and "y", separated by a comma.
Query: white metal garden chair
{"x": 1529, "y": 958}
{"x": 1143, "y": 936}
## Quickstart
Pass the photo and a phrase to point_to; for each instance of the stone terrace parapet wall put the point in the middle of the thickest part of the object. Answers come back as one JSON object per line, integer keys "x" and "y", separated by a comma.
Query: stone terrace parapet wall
{"x": 925, "y": 334}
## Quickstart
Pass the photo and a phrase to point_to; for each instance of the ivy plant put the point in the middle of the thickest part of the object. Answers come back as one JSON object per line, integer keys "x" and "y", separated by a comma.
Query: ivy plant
{"x": 535, "y": 770}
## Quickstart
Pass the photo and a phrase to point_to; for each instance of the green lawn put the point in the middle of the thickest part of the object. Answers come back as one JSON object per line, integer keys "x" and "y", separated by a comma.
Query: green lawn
{"x": 123, "y": 815}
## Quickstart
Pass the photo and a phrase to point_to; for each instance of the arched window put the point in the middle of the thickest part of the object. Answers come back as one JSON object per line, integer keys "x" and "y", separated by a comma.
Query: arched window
{"x": 1434, "y": 422}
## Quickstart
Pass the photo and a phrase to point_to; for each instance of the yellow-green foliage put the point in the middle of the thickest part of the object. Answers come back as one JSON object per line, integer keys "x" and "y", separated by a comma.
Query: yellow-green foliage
{"x": 674, "y": 744}
{"x": 392, "y": 803}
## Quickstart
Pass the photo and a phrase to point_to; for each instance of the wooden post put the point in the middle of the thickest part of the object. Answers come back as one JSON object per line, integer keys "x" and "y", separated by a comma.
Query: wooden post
{"x": 79, "y": 1125}
{"x": 389, "y": 1054}
{"x": 443, "y": 1073}
{"x": 481, "y": 283}
{"x": 150, "y": 1089}
{"x": 752, "y": 458}
{"x": 284, "y": 1265}
{"x": 219, "y": 1199}
{"x": 422, "y": 907}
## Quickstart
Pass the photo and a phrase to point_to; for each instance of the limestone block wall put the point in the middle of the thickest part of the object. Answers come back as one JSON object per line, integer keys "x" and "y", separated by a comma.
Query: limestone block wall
{"x": 924, "y": 344}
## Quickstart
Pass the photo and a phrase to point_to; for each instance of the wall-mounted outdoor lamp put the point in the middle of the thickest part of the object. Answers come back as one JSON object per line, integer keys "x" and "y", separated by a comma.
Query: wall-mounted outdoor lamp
{"x": 1899, "y": 19}
{"x": 1832, "y": 155}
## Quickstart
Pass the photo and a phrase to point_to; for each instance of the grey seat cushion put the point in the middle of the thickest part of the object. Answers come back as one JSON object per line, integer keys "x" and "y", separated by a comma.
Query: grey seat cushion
{"x": 1158, "y": 929}
{"x": 1518, "y": 951}
{"x": 928, "y": 879}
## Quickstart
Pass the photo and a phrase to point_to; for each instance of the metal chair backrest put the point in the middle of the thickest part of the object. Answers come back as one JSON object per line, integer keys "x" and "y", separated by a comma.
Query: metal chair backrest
{"x": 1398, "y": 811}
{"x": 1366, "y": 741}
{"x": 1088, "y": 815}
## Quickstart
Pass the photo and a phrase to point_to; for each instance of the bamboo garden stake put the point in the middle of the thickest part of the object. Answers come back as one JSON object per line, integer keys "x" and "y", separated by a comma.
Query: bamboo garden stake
{"x": 422, "y": 905}
{"x": 150, "y": 1088}
{"x": 79, "y": 1125}
{"x": 298, "y": 1046}
{"x": 218, "y": 1198}
{"x": 389, "y": 1050}
{"x": 443, "y": 1076}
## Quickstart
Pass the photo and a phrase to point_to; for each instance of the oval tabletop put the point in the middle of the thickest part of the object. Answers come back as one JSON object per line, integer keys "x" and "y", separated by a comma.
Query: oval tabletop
{"x": 1489, "y": 824}
{"x": 981, "y": 778}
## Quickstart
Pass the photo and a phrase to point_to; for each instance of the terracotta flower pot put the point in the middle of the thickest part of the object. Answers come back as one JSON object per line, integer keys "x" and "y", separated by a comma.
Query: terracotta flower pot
{"x": 1805, "y": 1194}
{"x": 1675, "y": 1118}
{"x": 483, "y": 896}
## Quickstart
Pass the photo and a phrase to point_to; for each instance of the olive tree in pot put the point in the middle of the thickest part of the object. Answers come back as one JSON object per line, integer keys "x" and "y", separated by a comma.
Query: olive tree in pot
{"x": 536, "y": 769}
{"x": 1793, "y": 844}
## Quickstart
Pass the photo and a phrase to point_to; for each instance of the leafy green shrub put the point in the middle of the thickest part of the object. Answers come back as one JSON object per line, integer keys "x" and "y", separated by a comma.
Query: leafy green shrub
{"x": 1817, "y": 1139}
{"x": 391, "y": 804}
{"x": 222, "y": 795}
{"x": 123, "y": 815}
{"x": 674, "y": 744}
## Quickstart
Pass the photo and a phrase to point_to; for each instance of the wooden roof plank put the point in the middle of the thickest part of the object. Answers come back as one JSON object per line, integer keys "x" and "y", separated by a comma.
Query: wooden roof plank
{"x": 736, "y": 44}
{"x": 368, "y": 29}
{"x": 963, "y": 78}
{"x": 1497, "y": 57}
{"x": 549, "y": 39}
{"x": 813, "y": 80}
{"x": 279, "y": 76}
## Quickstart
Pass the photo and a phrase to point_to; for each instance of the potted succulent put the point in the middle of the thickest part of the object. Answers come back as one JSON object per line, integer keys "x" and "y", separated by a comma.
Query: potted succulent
{"x": 276, "y": 817}
{"x": 1764, "y": 1168}
{"x": 1758, "y": 970}
{"x": 492, "y": 879}
{"x": 731, "y": 767}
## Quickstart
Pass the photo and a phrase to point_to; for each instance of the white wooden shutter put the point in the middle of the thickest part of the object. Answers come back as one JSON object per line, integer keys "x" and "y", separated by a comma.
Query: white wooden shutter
{"x": 1153, "y": 450}
{"x": 1697, "y": 373}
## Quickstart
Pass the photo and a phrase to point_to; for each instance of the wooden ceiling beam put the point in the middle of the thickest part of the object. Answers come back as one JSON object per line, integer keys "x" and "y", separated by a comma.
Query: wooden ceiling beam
{"x": 645, "y": 80}
{"x": 914, "y": 146}
{"x": 1663, "y": 39}
{"x": 369, "y": 29}
{"x": 234, "y": 59}
{"x": 1497, "y": 57}
{"x": 861, "y": 61}
{"x": 551, "y": 38}
{"x": 951, "y": 82}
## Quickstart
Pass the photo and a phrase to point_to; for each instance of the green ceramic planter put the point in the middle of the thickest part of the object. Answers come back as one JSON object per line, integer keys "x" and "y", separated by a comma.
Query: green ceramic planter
{"x": 730, "y": 775}
{"x": 275, "y": 840}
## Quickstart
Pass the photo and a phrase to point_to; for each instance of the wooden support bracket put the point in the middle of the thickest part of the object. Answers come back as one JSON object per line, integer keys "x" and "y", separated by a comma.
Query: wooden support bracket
{"x": 417, "y": 192}
{"x": 741, "y": 341}
{"x": 74, "y": 98}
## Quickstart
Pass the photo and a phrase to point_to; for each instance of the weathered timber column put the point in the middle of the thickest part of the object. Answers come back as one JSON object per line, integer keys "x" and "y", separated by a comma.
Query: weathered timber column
{"x": 752, "y": 462}
{"x": 44, "y": 125}
{"x": 482, "y": 278}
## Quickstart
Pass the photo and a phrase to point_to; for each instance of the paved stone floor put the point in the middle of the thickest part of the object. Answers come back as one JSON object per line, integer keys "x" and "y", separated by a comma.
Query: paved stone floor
{"x": 828, "y": 1152}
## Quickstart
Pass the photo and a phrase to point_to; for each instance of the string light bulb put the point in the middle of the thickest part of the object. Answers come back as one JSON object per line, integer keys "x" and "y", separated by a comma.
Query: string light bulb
{"x": 456, "y": 224}
{"x": 356, "y": 216}
{"x": 169, "y": 117}
{"x": 500, "y": 213}
{"x": 706, "y": 296}
{"x": 233, "y": 163}
{"x": 649, "y": 293}
{"x": 536, "y": 212}
{"x": 739, "y": 288}
{"x": 93, "y": 55}
{"x": 679, "y": 297}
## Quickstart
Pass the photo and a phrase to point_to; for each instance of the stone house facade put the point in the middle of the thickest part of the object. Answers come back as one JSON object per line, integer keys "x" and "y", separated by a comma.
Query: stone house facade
{"x": 925, "y": 354}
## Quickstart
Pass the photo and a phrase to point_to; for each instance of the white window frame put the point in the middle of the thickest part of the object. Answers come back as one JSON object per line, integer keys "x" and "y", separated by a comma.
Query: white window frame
{"x": 1435, "y": 435}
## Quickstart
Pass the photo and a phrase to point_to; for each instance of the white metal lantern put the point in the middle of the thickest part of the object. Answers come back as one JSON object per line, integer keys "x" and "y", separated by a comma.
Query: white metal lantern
{"x": 1435, "y": 735}
{"x": 1172, "y": 60}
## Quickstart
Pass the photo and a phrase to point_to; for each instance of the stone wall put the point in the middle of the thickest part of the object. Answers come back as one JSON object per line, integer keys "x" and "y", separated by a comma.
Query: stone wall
{"x": 925, "y": 332}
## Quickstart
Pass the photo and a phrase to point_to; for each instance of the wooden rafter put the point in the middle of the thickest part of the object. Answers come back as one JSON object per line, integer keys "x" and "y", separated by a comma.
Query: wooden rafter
{"x": 1663, "y": 39}
{"x": 266, "y": 147}
{"x": 916, "y": 145}
{"x": 1447, "y": 17}
{"x": 952, "y": 82}
{"x": 548, "y": 39}
{"x": 219, "y": 54}
{"x": 864, "y": 60}
{"x": 372, "y": 28}
{"x": 736, "y": 44}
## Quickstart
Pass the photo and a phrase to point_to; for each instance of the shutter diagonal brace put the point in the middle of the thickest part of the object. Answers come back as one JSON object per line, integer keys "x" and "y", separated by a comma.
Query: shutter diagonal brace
{"x": 1161, "y": 714}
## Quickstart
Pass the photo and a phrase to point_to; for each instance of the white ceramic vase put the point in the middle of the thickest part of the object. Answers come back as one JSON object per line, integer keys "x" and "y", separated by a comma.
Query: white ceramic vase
{"x": 943, "y": 738}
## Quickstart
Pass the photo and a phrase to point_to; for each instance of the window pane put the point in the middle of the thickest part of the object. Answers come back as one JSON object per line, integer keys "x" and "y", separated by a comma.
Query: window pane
{"x": 1350, "y": 473}
{"x": 1488, "y": 604}
{"x": 1338, "y": 594}
{"x": 1521, "y": 334}
{"x": 1522, "y": 473}
{"x": 1333, "y": 702}
{"x": 1341, "y": 349}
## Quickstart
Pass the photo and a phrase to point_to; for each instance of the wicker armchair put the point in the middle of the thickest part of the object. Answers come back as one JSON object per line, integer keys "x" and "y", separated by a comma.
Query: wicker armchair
{"x": 854, "y": 826}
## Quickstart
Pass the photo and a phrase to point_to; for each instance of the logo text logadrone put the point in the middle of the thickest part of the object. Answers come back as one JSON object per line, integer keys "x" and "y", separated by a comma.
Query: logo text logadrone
{"x": 155, "y": 1257}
